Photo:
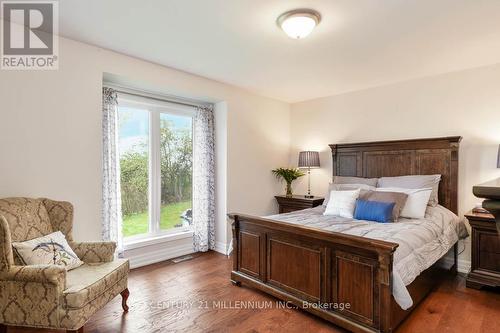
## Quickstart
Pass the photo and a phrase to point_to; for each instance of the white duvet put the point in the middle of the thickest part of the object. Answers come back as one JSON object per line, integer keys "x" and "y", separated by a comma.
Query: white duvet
{"x": 421, "y": 242}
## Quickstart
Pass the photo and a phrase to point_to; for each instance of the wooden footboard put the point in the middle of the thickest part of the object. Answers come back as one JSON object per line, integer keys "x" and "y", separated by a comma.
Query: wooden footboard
{"x": 344, "y": 279}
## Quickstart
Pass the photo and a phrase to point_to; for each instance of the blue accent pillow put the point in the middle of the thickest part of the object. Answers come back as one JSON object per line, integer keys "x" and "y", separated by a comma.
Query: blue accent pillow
{"x": 373, "y": 210}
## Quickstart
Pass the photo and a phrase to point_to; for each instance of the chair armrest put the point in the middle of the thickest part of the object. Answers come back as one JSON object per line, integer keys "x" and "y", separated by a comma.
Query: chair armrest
{"x": 6, "y": 256}
{"x": 38, "y": 294}
{"x": 52, "y": 274}
{"x": 94, "y": 252}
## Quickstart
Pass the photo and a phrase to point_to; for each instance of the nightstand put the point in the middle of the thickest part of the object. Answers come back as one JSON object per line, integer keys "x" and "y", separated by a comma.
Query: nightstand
{"x": 297, "y": 202}
{"x": 485, "y": 269}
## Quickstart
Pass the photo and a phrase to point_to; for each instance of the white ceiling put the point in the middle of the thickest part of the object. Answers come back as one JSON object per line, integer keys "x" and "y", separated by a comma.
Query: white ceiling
{"x": 358, "y": 44}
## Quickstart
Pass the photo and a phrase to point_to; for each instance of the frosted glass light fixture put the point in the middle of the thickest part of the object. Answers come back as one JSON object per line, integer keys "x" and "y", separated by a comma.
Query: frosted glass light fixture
{"x": 299, "y": 23}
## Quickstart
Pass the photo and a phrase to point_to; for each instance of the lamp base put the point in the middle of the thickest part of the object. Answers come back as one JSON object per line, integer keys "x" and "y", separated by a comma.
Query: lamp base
{"x": 308, "y": 196}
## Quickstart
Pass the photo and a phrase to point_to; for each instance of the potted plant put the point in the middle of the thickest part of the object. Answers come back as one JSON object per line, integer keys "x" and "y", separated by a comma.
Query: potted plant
{"x": 288, "y": 175}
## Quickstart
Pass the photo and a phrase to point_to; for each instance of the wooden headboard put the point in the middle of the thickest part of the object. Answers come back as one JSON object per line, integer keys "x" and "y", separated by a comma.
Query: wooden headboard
{"x": 403, "y": 157}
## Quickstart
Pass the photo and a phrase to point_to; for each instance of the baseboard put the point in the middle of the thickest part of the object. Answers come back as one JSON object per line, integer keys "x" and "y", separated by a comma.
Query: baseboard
{"x": 166, "y": 252}
{"x": 221, "y": 247}
{"x": 463, "y": 265}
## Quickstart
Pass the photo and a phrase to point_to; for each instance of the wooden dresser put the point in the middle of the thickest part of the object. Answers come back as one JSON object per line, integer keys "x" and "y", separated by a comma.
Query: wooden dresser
{"x": 485, "y": 270}
{"x": 297, "y": 202}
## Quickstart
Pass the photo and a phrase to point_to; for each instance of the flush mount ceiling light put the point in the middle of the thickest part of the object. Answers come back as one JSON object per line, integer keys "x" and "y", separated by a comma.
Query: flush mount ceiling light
{"x": 299, "y": 23}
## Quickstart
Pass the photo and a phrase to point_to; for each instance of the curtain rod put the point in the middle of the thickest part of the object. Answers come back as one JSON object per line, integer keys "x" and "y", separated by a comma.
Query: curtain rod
{"x": 137, "y": 93}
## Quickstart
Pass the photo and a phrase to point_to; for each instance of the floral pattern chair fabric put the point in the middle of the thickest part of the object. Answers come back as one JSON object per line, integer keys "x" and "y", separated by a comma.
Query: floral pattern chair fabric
{"x": 47, "y": 296}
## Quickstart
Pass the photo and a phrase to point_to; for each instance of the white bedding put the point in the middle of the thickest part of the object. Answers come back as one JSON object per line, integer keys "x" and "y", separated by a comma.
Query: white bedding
{"x": 421, "y": 241}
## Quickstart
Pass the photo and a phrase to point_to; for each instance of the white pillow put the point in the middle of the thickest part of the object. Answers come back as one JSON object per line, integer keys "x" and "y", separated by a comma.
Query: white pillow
{"x": 346, "y": 187}
{"x": 414, "y": 182}
{"x": 52, "y": 249}
{"x": 416, "y": 203}
{"x": 342, "y": 203}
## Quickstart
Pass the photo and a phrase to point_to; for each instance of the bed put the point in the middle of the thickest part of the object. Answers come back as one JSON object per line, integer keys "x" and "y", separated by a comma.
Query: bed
{"x": 321, "y": 270}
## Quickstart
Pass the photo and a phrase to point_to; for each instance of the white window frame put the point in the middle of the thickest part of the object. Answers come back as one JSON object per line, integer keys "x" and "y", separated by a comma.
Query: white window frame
{"x": 155, "y": 108}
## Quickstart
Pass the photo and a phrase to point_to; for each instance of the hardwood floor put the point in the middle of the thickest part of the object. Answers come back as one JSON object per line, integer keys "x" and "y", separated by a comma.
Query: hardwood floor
{"x": 197, "y": 296}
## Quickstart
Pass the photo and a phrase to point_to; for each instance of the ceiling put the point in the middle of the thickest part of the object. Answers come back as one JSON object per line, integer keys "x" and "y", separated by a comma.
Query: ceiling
{"x": 358, "y": 44}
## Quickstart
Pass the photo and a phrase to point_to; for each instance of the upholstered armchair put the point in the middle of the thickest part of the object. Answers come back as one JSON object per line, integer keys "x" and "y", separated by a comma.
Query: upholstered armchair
{"x": 48, "y": 296}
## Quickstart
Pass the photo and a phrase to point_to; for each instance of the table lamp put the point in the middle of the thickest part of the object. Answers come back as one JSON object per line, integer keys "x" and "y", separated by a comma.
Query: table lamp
{"x": 308, "y": 160}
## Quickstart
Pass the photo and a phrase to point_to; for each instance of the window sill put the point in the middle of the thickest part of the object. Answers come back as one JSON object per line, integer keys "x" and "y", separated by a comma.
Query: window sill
{"x": 138, "y": 243}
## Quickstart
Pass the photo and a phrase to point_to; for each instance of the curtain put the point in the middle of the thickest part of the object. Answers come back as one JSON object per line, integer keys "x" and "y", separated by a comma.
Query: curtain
{"x": 204, "y": 180}
{"x": 111, "y": 199}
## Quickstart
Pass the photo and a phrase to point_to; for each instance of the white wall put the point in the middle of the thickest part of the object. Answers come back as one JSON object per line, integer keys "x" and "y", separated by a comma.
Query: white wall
{"x": 465, "y": 103}
{"x": 50, "y": 128}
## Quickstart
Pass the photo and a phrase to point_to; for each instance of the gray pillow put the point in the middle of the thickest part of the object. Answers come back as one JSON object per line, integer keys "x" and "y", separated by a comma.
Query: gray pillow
{"x": 346, "y": 187}
{"x": 414, "y": 182}
{"x": 355, "y": 180}
{"x": 398, "y": 198}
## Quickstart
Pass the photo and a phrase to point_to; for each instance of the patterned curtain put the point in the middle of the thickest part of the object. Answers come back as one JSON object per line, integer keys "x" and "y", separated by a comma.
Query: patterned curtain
{"x": 111, "y": 199}
{"x": 204, "y": 180}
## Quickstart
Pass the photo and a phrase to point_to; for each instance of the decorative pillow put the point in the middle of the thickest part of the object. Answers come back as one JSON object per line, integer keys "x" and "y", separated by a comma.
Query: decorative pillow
{"x": 52, "y": 249}
{"x": 414, "y": 182}
{"x": 342, "y": 203}
{"x": 399, "y": 200}
{"x": 347, "y": 187}
{"x": 355, "y": 180}
{"x": 416, "y": 203}
{"x": 377, "y": 211}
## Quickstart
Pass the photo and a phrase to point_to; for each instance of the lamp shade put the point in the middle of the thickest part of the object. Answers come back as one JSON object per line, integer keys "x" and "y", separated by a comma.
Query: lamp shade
{"x": 498, "y": 157}
{"x": 309, "y": 159}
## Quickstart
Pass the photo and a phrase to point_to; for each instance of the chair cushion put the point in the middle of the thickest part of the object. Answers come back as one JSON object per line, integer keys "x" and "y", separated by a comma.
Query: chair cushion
{"x": 27, "y": 218}
{"x": 89, "y": 281}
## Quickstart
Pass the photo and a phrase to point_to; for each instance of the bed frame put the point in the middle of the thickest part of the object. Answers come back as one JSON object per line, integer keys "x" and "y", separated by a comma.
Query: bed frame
{"x": 319, "y": 270}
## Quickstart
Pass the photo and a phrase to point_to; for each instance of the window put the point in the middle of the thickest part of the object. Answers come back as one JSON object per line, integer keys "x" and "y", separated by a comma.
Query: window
{"x": 134, "y": 169}
{"x": 156, "y": 153}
